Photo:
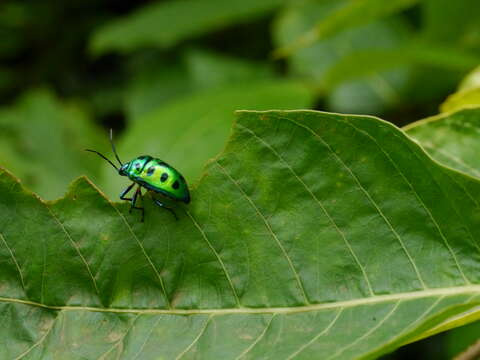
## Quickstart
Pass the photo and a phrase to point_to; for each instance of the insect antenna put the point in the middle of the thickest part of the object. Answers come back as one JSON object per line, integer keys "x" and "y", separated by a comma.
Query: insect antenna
{"x": 102, "y": 156}
{"x": 113, "y": 147}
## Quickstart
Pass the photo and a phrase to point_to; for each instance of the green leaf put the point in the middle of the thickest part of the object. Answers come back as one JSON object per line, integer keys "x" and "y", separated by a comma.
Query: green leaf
{"x": 461, "y": 17}
{"x": 468, "y": 93}
{"x": 345, "y": 15}
{"x": 43, "y": 139}
{"x": 188, "y": 132}
{"x": 312, "y": 234}
{"x": 164, "y": 24}
{"x": 209, "y": 70}
{"x": 370, "y": 94}
{"x": 451, "y": 139}
{"x": 471, "y": 81}
{"x": 364, "y": 63}
{"x": 153, "y": 85}
{"x": 461, "y": 99}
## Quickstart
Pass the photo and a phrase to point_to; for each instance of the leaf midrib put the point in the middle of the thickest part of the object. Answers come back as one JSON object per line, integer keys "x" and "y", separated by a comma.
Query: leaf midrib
{"x": 447, "y": 291}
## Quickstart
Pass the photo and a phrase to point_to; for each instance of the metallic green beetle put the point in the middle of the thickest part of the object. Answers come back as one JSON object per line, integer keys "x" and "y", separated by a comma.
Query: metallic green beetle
{"x": 154, "y": 175}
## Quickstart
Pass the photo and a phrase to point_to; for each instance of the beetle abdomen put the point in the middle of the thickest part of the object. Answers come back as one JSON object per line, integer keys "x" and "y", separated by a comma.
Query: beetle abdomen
{"x": 158, "y": 176}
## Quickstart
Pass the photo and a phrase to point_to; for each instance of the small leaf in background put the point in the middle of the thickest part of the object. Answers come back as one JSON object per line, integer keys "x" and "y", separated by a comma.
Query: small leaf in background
{"x": 372, "y": 94}
{"x": 155, "y": 83}
{"x": 468, "y": 93}
{"x": 461, "y": 17}
{"x": 153, "y": 86}
{"x": 163, "y": 24}
{"x": 208, "y": 70}
{"x": 312, "y": 233}
{"x": 434, "y": 84}
{"x": 42, "y": 141}
{"x": 344, "y": 15}
{"x": 188, "y": 132}
{"x": 366, "y": 62}
{"x": 461, "y": 100}
{"x": 452, "y": 139}
{"x": 471, "y": 81}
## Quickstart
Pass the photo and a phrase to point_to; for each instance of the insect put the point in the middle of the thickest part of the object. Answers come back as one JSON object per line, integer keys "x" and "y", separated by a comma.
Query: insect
{"x": 154, "y": 175}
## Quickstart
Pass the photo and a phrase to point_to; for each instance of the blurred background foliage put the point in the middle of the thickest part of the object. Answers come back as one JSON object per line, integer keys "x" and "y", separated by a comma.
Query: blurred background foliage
{"x": 167, "y": 75}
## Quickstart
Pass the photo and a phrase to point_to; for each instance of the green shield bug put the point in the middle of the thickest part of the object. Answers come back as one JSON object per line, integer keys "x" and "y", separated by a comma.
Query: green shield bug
{"x": 152, "y": 174}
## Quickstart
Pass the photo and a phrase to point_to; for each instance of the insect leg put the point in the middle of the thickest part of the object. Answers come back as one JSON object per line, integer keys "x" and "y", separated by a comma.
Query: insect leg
{"x": 143, "y": 206}
{"x": 134, "y": 201}
{"x": 125, "y": 192}
{"x": 162, "y": 205}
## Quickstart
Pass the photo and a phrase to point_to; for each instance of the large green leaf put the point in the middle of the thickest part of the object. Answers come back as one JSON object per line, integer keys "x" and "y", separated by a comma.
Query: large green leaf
{"x": 163, "y": 24}
{"x": 188, "y": 132}
{"x": 451, "y": 138}
{"x": 313, "y": 235}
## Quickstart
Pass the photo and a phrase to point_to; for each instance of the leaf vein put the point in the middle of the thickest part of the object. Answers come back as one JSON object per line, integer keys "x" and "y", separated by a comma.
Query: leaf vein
{"x": 421, "y": 317}
{"x": 450, "y": 156}
{"x": 257, "y": 340}
{"x": 330, "y": 219}
{"x": 14, "y": 260}
{"x": 202, "y": 331}
{"x": 369, "y": 332}
{"x": 76, "y": 247}
{"x": 477, "y": 205}
{"x": 367, "y": 194}
{"x": 103, "y": 356}
{"x": 448, "y": 291}
{"x": 227, "y": 275}
{"x": 462, "y": 273}
{"x": 144, "y": 254}
{"x": 319, "y": 335}
{"x": 270, "y": 230}
{"x": 419, "y": 199}
{"x": 147, "y": 338}
{"x": 41, "y": 340}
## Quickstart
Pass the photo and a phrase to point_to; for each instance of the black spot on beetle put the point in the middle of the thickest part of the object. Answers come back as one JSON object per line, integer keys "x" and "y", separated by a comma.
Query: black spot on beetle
{"x": 164, "y": 177}
{"x": 150, "y": 171}
{"x": 175, "y": 185}
{"x": 137, "y": 166}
